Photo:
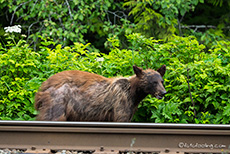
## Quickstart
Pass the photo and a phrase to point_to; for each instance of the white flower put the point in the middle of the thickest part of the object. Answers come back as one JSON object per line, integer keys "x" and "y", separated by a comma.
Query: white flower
{"x": 23, "y": 35}
{"x": 100, "y": 59}
{"x": 15, "y": 28}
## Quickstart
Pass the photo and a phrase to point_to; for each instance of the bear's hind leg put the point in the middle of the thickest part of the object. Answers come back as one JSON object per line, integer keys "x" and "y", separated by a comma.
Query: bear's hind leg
{"x": 53, "y": 113}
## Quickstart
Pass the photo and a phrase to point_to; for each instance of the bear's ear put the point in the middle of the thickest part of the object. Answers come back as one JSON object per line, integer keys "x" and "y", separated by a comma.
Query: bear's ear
{"x": 162, "y": 70}
{"x": 138, "y": 71}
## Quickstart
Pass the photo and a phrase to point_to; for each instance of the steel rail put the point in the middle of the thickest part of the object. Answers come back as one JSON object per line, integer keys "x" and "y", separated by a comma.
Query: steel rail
{"x": 103, "y": 137}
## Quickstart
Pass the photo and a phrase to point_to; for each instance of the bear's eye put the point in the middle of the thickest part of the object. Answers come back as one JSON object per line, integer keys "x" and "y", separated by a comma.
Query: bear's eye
{"x": 154, "y": 82}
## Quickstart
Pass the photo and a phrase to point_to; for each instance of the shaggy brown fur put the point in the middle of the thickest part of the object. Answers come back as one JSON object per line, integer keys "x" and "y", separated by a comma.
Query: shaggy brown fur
{"x": 82, "y": 96}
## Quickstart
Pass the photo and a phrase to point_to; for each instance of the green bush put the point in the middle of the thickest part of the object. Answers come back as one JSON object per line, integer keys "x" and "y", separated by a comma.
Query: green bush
{"x": 23, "y": 70}
{"x": 17, "y": 80}
{"x": 65, "y": 21}
{"x": 206, "y": 73}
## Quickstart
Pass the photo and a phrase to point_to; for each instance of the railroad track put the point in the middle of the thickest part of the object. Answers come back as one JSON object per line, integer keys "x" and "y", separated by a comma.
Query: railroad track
{"x": 113, "y": 138}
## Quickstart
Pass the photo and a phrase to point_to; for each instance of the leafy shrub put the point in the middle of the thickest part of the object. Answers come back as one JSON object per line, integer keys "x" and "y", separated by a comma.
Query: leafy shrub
{"x": 206, "y": 73}
{"x": 159, "y": 18}
{"x": 23, "y": 70}
{"x": 18, "y": 73}
{"x": 66, "y": 21}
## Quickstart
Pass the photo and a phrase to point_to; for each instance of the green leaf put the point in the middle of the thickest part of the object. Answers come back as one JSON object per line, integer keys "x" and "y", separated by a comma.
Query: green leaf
{"x": 187, "y": 99}
{"x": 227, "y": 110}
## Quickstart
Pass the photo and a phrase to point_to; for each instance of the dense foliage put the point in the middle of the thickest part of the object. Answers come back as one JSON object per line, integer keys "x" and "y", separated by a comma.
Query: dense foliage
{"x": 23, "y": 70}
{"x": 107, "y": 37}
{"x": 90, "y": 21}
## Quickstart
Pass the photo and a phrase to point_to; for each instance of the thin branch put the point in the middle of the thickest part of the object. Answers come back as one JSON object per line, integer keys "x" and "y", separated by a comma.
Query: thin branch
{"x": 63, "y": 27}
{"x": 37, "y": 37}
{"x": 12, "y": 18}
{"x": 20, "y": 17}
{"x": 190, "y": 94}
{"x": 198, "y": 26}
{"x": 179, "y": 27}
{"x": 34, "y": 42}
{"x": 115, "y": 15}
{"x": 202, "y": 26}
{"x": 33, "y": 6}
{"x": 71, "y": 16}
{"x": 30, "y": 28}
{"x": 108, "y": 17}
{"x": 182, "y": 17}
{"x": 6, "y": 13}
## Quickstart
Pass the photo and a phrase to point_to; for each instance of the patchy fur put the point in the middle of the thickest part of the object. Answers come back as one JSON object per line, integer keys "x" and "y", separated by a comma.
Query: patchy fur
{"x": 82, "y": 96}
